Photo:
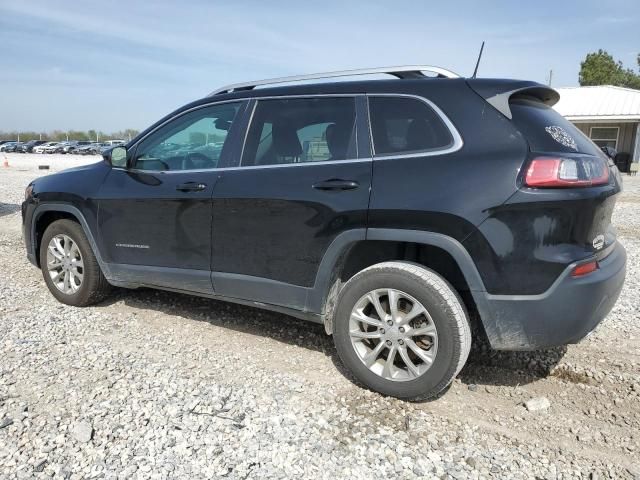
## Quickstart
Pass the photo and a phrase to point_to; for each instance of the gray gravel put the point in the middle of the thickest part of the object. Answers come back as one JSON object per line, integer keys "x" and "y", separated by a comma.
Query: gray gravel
{"x": 158, "y": 385}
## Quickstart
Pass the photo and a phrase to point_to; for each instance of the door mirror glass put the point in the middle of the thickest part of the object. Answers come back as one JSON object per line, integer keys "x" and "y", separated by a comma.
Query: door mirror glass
{"x": 118, "y": 157}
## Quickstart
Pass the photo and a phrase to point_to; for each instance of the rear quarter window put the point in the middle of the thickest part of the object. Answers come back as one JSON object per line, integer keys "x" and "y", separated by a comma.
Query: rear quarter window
{"x": 548, "y": 131}
{"x": 404, "y": 125}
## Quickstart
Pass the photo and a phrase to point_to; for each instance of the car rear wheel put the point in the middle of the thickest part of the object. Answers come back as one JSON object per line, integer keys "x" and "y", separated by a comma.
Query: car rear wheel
{"x": 69, "y": 267}
{"x": 402, "y": 330}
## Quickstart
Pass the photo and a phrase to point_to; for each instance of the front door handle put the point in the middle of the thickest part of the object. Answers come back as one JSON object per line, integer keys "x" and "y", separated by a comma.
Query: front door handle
{"x": 336, "y": 184}
{"x": 191, "y": 187}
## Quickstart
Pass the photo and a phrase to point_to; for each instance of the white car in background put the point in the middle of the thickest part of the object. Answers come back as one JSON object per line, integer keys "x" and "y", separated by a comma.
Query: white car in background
{"x": 42, "y": 148}
{"x": 113, "y": 143}
{"x": 52, "y": 147}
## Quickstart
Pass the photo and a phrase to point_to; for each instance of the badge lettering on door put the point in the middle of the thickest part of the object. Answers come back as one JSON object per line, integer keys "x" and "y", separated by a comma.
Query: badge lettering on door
{"x": 131, "y": 245}
{"x": 598, "y": 242}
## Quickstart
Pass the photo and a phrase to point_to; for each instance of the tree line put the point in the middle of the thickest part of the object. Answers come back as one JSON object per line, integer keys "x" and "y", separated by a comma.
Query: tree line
{"x": 600, "y": 68}
{"x": 61, "y": 135}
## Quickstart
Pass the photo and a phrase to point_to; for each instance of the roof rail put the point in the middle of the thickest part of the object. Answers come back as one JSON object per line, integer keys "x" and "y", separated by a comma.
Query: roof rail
{"x": 406, "y": 71}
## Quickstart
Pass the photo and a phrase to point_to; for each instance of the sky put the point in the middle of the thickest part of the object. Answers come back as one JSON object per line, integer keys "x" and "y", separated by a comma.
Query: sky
{"x": 111, "y": 65}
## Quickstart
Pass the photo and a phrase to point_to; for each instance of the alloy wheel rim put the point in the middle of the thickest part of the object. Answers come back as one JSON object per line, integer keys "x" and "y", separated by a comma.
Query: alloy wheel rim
{"x": 64, "y": 264}
{"x": 393, "y": 334}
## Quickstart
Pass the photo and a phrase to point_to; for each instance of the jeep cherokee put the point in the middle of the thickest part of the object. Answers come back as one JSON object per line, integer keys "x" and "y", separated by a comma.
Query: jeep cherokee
{"x": 385, "y": 209}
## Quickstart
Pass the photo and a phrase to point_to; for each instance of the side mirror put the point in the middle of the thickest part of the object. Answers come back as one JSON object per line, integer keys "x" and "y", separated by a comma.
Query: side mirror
{"x": 117, "y": 157}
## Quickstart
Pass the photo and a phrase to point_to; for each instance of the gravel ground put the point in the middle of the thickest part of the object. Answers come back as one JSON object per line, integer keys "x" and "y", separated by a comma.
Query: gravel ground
{"x": 159, "y": 385}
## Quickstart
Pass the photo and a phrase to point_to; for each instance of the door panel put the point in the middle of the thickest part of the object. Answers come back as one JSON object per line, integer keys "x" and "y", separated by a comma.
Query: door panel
{"x": 156, "y": 214}
{"x": 300, "y": 185}
{"x": 145, "y": 220}
{"x": 272, "y": 223}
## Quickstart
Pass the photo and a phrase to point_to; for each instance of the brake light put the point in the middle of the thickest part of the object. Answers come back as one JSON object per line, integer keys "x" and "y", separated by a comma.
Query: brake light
{"x": 563, "y": 172}
{"x": 584, "y": 269}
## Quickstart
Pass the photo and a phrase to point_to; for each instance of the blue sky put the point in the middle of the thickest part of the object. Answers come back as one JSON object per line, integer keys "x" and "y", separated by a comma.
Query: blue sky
{"x": 123, "y": 64}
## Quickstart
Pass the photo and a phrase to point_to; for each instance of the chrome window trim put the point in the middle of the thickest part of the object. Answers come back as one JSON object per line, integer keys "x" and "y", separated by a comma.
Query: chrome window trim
{"x": 456, "y": 144}
{"x": 248, "y": 167}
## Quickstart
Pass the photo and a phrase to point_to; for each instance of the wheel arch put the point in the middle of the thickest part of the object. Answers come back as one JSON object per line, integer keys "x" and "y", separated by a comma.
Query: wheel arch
{"x": 322, "y": 297}
{"x": 47, "y": 213}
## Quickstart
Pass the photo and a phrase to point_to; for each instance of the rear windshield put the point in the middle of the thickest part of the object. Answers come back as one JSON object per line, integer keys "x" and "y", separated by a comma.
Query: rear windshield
{"x": 548, "y": 131}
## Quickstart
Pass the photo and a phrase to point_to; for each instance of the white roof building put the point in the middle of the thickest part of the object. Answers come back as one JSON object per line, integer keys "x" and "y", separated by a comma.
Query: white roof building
{"x": 609, "y": 115}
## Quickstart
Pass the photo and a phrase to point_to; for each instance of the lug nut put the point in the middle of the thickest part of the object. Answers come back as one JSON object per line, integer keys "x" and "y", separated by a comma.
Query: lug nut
{"x": 390, "y": 322}
{"x": 389, "y": 343}
{"x": 382, "y": 331}
{"x": 401, "y": 342}
{"x": 401, "y": 329}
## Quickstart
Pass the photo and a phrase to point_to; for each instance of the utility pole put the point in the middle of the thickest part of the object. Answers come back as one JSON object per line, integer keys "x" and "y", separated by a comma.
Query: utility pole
{"x": 550, "y": 76}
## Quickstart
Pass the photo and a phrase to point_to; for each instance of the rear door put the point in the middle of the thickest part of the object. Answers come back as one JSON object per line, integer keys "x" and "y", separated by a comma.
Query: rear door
{"x": 304, "y": 179}
{"x": 154, "y": 217}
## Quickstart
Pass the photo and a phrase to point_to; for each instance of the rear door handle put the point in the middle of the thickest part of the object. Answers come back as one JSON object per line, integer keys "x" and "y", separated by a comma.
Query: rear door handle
{"x": 336, "y": 184}
{"x": 191, "y": 187}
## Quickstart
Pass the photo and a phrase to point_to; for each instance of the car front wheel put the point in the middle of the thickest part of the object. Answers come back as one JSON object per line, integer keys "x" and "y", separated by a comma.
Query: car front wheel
{"x": 69, "y": 267}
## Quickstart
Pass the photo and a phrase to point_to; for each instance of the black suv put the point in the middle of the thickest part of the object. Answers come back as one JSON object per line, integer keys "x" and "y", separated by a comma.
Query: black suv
{"x": 388, "y": 210}
{"x": 28, "y": 147}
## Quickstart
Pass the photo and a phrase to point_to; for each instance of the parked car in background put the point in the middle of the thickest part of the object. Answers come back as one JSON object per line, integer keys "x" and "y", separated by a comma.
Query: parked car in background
{"x": 52, "y": 148}
{"x": 113, "y": 143}
{"x": 91, "y": 149}
{"x": 76, "y": 145}
{"x": 9, "y": 147}
{"x": 65, "y": 147}
{"x": 2, "y": 142}
{"x": 41, "y": 148}
{"x": 29, "y": 146}
{"x": 106, "y": 146}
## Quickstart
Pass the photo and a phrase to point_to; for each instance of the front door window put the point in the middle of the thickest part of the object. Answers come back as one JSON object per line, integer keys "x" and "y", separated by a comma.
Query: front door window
{"x": 194, "y": 141}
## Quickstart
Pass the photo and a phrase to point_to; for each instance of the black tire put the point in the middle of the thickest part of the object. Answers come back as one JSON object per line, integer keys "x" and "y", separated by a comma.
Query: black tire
{"x": 445, "y": 308}
{"x": 94, "y": 286}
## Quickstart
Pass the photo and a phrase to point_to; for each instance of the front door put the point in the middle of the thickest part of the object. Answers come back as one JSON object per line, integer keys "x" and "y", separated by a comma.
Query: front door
{"x": 154, "y": 217}
{"x": 300, "y": 184}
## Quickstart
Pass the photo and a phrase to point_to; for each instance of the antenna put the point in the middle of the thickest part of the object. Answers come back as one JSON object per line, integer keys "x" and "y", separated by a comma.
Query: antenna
{"x": 475, "y": 71}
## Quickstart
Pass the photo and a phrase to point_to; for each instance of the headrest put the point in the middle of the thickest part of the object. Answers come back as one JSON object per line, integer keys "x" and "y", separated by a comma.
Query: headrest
{"x": 285, "y": 140}
{"x": 337, "y": 141}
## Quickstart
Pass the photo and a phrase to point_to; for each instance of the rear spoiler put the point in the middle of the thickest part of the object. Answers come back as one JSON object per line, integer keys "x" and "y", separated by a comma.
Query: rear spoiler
{"x": 499, "y": 92}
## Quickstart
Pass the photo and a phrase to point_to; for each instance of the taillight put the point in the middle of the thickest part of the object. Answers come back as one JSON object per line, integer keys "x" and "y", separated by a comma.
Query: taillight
{"x": 584, "y": 269}
{"x": 560, "y": 172}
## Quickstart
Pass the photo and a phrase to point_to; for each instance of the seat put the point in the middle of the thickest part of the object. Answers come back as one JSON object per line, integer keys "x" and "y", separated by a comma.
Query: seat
{"x": 286, "y": 145}
{"x": 337, "y": 141}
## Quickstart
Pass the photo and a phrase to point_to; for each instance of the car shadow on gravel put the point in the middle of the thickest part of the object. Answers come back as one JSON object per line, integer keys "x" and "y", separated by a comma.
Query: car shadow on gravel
{"x": 485, "y": 367}
{"x": 489, "y": 367}
{"x": 241, "y": 318}
{"x": 8, "y": 208}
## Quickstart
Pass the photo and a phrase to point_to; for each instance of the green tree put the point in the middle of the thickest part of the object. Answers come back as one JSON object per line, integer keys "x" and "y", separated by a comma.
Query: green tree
{"x": 600, "y": 68}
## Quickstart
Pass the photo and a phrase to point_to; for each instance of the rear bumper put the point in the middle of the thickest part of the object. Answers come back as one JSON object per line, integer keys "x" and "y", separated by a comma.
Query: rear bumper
{"x": 567, "y": 312}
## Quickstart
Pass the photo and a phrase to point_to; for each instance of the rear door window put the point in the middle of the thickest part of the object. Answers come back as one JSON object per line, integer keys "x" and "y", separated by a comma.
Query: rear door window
{"x": 403, "y": 125}
{"x": 548, "y": 131}
{"x": 301, "y": 130}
